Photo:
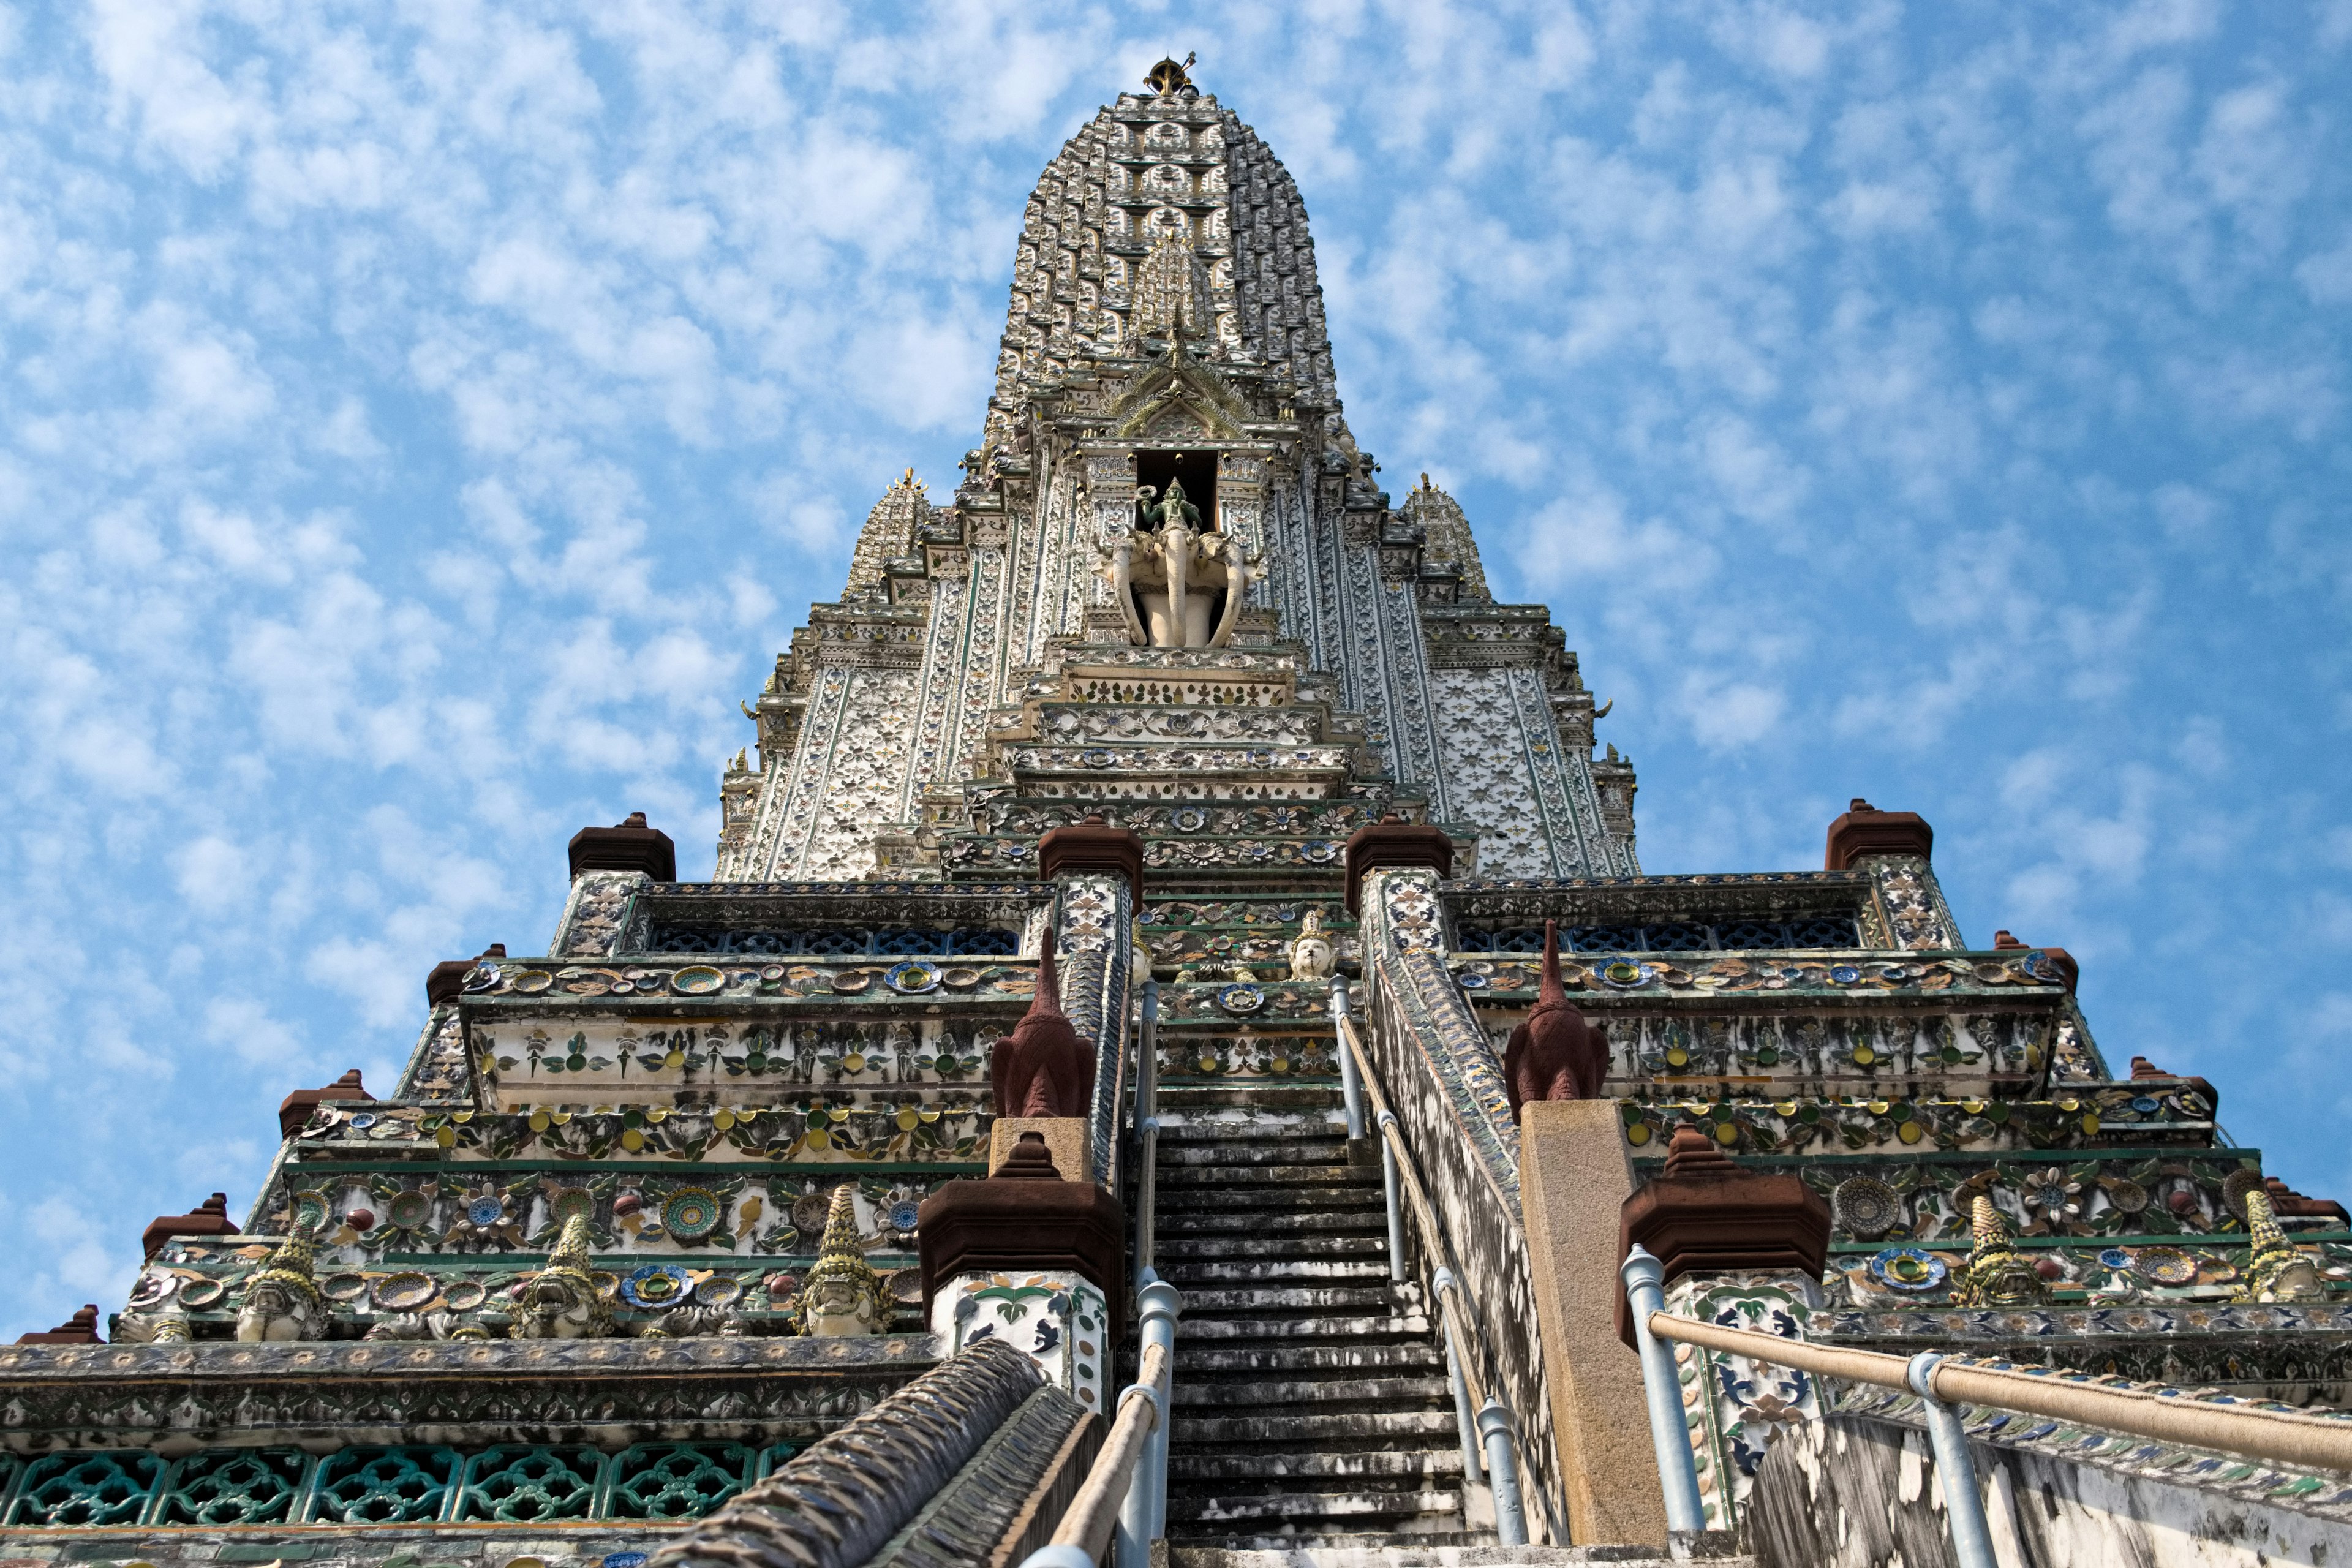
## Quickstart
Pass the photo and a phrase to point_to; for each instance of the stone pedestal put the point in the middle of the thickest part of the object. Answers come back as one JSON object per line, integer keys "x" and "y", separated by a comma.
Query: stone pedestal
{"x": 1026, "y": 1219}
{"x": 1745, "y": 1248}
{"x": 1573, "y": 1179}
{"x": 1066, "y": 1140}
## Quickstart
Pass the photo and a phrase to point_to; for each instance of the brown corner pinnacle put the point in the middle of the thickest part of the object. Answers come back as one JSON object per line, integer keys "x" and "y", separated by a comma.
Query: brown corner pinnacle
{"x": 295, "y": 1110}
{"x": 1707, "y": 1213}
{"x": 1092, "y": 845}
{"x": 627, "y": 846}
{"x": 1043, "y": 1067}
{"x": 1394, "y": 843}
{"x": 81, "y": 1328}
{"x": 209, "y": 1217}
{"x": 1865, "y": 831}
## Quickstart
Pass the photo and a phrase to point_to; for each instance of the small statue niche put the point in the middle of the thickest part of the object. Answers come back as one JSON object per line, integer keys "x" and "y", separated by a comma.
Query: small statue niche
{"x": 1177, "y": 578}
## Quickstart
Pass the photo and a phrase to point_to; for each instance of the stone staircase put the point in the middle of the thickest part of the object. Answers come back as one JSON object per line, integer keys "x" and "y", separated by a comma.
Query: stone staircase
{"x": 1311, "y": 1407}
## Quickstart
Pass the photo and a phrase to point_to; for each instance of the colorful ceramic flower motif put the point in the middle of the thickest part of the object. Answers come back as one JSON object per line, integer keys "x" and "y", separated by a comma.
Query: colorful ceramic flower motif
{"x": 487, "y": 1216}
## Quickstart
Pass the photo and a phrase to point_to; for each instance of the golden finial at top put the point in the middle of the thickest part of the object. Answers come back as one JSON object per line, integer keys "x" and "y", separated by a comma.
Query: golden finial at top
{"x": 1167, "y": 76}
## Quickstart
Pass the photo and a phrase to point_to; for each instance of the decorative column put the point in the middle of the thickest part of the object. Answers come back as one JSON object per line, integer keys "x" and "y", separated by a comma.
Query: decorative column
{"x": 609, "y": 866}
{"x": 1027, "y": 1257}
{"x": 1744, "y": 1249}
{"x": 1895, "y": 847}
{"x": 1097, "y": 875}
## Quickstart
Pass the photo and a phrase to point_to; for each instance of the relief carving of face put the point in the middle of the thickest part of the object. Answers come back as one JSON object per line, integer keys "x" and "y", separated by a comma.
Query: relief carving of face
{"x": 839, "y": 1307}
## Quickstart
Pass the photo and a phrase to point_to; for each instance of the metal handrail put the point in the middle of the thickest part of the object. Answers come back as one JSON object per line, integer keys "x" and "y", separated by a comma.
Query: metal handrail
{"x": 1147, "y": 1128}
{"x": 1087, "y": 1522}
{"x": 2279, "y": 1437}
{"x": 1416, "y": 1200}
{"x": 1494, "y": 1420}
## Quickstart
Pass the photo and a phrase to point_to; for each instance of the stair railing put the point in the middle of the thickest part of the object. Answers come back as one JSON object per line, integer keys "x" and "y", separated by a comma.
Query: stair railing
{"x": 1455, "y": 1317}
{"x": 1147, "y": 1132}
{"x": 2276, "y": 1437}
{"x": 1123, "y": 1501}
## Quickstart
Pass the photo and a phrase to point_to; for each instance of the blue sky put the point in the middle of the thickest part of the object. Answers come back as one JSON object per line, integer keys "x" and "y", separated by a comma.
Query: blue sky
{"x": 420, "y": 424}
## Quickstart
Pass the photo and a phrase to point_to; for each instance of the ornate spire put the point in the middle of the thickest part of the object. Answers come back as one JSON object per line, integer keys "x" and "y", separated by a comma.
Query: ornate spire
{"x": 1998, "y": 1274}
{"x": 571, "y": 1254}
{"x": 889, "y": 531}
{"x": 1446, "y": 540}
{"x": 2276, "y": 1270}
{"x": 842, "y": 1294}
{"x": 292, "y": 1265}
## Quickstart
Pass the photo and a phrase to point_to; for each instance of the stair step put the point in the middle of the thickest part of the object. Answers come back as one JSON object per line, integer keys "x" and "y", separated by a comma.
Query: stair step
{"x": 1203, "y": 1359}
{"x": 1222, "y": 1176}
{"x": 1270, "y": 1152}
{"x": 1282, "y": 1271}
{"x": 1294, "y": 1298}
{"x": 1412, "y": 1326}
{"x": 1258, "y": 1465}
{"x": 1297, "y": 1248}
{"x": 1357, "y": 1506}
{"x": 1368, "y": 1220}
{"x": 1223, "y": 1128}
{"x": 1324, "y": 1430}
{"x": 1393, "y": 1392}
{"x": 1363, "y": 1195}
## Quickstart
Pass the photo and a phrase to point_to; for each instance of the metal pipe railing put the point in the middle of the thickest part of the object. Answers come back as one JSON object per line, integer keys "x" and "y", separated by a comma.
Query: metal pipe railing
{"x": 1463, "y": 1362}
{"x": 1124, "y": 1495}
{"x": 1352, "y": 1089}
{"x": 1443, "y": 1285}
{"x": 1147, "y": 1133}
{"x": 1669, "y": 1429}
{"x": 2278, "y": 1437}
{"x": 1389, "y": 1188}
{"x": 2275, "y": 1436}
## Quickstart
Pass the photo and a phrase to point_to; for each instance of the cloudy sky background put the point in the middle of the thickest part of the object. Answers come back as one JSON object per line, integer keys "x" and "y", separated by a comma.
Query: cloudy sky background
{"x": 419, "y": 424}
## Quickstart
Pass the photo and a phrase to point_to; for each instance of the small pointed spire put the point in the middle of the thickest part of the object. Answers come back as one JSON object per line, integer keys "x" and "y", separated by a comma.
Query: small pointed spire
{"x": 1549, "y": 992}
{"x": 841, "y": 1226}
{"x": 571, "y": 1246}
{"x": 1998, "y": 1274}
{"x": 1046, "y": 1003}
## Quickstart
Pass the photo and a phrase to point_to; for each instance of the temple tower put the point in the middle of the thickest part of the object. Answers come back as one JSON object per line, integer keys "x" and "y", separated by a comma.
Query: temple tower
{"x": 1164, "y": 864}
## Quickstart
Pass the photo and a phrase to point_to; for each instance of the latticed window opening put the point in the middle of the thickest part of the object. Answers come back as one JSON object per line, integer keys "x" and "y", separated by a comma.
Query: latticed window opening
{"x": 676, "y": 1480}
{"x": 514, "y": 1483}
{"x": 385, "y": 1485}
{"x": 836, "y": 941}
{"x": 1727, "y": 933}
{"x": 260, "y": 1486}
{"x": 509, "y": 1483}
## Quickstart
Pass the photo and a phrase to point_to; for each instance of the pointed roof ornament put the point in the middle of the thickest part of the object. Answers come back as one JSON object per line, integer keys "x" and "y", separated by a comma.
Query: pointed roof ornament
{"x": 1169, "y": 76}
{"x": 571, "y": 1254}
{"x": 2276, "y": 1270}
{"x": 1998, "y": 1274}
{"x": 842, "y": 1294}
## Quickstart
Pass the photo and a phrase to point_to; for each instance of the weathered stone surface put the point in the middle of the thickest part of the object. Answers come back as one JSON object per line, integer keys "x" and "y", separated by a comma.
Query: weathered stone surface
{"x": 1573, "y": 1179}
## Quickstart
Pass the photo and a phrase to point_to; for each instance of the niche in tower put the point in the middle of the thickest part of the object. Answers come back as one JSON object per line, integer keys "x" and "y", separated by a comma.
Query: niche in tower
{"x": 1198, "y": 470}
{"x": 1204, "y": 607}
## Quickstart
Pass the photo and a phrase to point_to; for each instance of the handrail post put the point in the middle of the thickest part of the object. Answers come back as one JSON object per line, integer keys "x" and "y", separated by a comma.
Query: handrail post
{"x": 1160, "y": 1304}
{"x": 1441, "y": 1285}
{"x": 1971, "y": 1540}
{"x": 1502, "y": 1468}
{"x": 1644, "y": 1278}
{"x": 1147, "y": 1136}
{"x": 1351, "y": 1088}
{"x": 1131, "y": 1539}
{"x": 1396, "y": 1208}
{"x": 1147, "y": 1069}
